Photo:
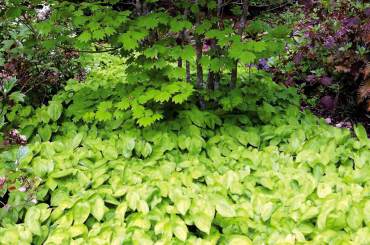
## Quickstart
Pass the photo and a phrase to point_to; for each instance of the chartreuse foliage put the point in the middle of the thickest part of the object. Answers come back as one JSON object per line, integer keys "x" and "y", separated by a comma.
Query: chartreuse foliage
{"x": 201, "y": 177}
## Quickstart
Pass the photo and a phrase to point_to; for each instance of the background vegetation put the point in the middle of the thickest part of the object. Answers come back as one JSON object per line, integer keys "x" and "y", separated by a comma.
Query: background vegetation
{"x": 172, "y": 122}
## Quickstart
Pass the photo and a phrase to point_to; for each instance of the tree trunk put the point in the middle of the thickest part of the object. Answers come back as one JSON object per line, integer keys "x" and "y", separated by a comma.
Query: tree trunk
{"x": 243, "y": 19}
{"x": 145, "y": 8}
{"x": 198, "y": 47}
{"x": 199, "y": 53}
{"x": 188, "y": 77}
{"x": 219, "y": 8}
{"x": 234, "y": 75}
{"x": 138, "y": 7}
{"x": 213, "y": 80}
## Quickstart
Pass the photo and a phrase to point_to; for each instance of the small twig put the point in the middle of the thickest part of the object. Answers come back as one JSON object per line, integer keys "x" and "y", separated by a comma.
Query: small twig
{"x": 90, "y": 51}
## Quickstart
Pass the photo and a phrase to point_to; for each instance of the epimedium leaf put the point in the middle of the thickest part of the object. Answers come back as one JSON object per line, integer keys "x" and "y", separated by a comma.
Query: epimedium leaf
{"x": 81, "y": 211}
{"x": 77, "y": 230}
{"x": 142, "y": 206}
{"x": 121, "y": 211}
{"x": 182, "y": 204}
{"x": 224, "y": 208}
{"x": 361, "y": 133}
{"x": 133, "y": 199}
{"x": 63, "y": 173}
{"x": 45, "y": 132}
{"x": 32, "y": 220}
{"x": 202, "y": 221}
{"x": 41, "y": 167}
{"x": 180, "y": 229}
{"x": 239, "y": 240}
{"x": 355, "y": 218}
{"x": 55, "y": 110}
{"x": 98, "y": 208}
{"x": 76, "y": 141}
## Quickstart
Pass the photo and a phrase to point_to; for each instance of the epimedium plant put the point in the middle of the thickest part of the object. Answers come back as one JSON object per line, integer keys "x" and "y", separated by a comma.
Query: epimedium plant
{"x": 203, "y": 177}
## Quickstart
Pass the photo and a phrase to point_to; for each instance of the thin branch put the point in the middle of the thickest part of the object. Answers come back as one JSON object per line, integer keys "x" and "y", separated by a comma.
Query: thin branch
{"x": 89, "y": 51}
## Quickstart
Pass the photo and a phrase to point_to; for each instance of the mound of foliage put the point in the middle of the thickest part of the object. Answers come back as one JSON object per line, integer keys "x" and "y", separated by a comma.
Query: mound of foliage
{"x": 268, "y": 174}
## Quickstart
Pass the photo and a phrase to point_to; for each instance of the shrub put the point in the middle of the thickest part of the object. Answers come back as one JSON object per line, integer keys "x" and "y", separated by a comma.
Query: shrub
{"x": 330, "y": 56}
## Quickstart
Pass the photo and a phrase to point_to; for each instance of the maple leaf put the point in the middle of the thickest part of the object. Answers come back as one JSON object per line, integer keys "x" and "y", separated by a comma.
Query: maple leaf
{"x": 103, "y": 116}
{"x": 188, "y": 52}
{"x": 128, "y": 42}
{"x": 247, "y": 57}
{"x": 84, "y": 37}
{"x": 98, "y": 34}
{"x": 162, "y": 96}
{"x": 109, "y": 30}
{"x": 124, "y": 104}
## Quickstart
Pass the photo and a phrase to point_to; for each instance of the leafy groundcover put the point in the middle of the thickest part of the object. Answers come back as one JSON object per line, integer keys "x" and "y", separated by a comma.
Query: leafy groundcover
{"x": 203, "y": 177}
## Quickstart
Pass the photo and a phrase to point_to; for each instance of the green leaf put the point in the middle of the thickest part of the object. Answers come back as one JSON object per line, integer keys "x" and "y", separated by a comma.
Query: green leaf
{"x": 224, "y": 208}
{"x": 326, "y": 209}
{"x": 239, "y": 240}
{"x": 76, "y": 141}
{"x": 17, "y": 97}
{"x": 55, "y": 110}
{"x": 81, "y": 212}
{"x": 62, "y": 173}
{"x": 179, "y": 25}
{"x": 324, "y": 189}
{"x": 124, "y": 104}
{"x": 13, "y": 12}
{"x": 146, "y": 150}
{"x": 182, "y": 204}
{"x": 366, "y": 213}
{"x": 142, "y": 206}
{"x": 247, "y": 57}
{"x": 41, "y": 167}
{"x": 266, "y": 210}
{"x": 203, "y": 222}
{"x": 133, "y": 199}
{"x": 121, "y": 211}
{"x": 45, "y": 132}
{"x": 180, "y": 229}
{"x": 129, "y": 43}
{"x": 98, "y": 208}
{"x": 78, "y": 230}
{"x": 98, "y": 34}
{"x": 355, "y": 218}
{"x": 32, "y": 220}
{"x": 361, "y": 133}
{"x": 84, "y": 37}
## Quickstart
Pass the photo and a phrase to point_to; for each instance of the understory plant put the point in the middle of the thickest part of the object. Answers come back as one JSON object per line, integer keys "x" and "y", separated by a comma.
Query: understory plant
{"x": 177, "y": 135}
{"x": 174, "y": 51}
{"x": 269, "y": 175}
